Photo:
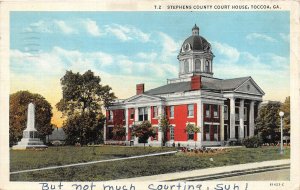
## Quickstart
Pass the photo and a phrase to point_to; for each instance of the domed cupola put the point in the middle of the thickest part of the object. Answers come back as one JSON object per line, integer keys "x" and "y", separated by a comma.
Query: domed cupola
{"x": 195, "y": 56}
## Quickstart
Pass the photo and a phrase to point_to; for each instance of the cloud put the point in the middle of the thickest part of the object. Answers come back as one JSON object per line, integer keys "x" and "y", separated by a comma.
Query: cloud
{"x": 50, "y": 26}
{"x": 257, "y": 36}
{"x": 122, "y": 32}
{"x": 91, "y": 27}
{"x": 269, "y": 70}
{"x": 64, "y": 27}
{"x": 230, "y": 54}
{"x": 147, "y": 56}
{"x": 39, "y": 26}
{"x": 170, "y": 47}
{"x": 56, "y": 61}
{"x": 127, "y": 33}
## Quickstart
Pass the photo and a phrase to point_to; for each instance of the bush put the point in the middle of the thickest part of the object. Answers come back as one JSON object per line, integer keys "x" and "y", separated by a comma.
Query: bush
{"x": 252, "y": 142}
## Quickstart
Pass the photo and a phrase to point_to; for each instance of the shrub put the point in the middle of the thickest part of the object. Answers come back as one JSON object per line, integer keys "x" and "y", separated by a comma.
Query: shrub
{"x": 252, "y": 142}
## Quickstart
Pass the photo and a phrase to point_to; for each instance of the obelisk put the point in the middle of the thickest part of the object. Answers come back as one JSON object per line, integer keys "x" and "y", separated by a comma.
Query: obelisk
{"x": 30, "y": 135}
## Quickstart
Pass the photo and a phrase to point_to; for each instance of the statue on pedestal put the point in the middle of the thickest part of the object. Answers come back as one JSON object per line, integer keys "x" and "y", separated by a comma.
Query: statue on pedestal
{"x": 30, "y": 135}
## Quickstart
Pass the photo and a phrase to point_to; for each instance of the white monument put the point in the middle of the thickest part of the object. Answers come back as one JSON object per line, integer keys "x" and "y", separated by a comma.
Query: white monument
{"x": 30, "y": 135}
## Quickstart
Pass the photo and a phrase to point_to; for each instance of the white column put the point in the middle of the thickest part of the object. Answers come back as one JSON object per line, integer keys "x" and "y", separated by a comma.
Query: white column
{"x": 241, "y": 110}
{"x": 160, "y": 114}
{"x": 149, "y": 113}
{"x": 222, "y": 122}
{"x": 199, "y": 122}
{"x": 251, "y": 119}
{"x": 126, "y": 123}
{"x": 136, "y": 118}
{"x": 104, "y": 132}
{"x": 232, "y": 118}
{"x": 136, "y": 114}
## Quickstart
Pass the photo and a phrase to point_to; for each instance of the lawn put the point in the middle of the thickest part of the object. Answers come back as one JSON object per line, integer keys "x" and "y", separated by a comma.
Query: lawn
{"x": 21, "y": 160}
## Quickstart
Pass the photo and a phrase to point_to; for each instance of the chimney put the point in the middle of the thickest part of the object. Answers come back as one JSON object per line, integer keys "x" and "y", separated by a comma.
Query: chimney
{"x": 196, "y": 82}
{"x": 140, "y": 88}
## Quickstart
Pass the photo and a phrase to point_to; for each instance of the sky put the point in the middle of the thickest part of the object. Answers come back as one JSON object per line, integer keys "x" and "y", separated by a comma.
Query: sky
{"x": 127, "y": 48}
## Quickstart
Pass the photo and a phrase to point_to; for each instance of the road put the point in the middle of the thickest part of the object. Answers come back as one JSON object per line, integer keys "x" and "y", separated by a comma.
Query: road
{"x": 280, "y": 175}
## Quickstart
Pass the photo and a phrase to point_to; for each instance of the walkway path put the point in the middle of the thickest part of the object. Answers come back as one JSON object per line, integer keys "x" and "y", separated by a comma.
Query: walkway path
{"x": 93, "y": 162}
{"x": 213, "y": 173}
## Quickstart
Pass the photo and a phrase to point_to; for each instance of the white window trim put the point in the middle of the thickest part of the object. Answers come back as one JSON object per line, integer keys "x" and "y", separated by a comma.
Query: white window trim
{"x": 206, "y": 110}
{"x": 191, "y": 116}
{"x": 152, "y": 114}
{"x": 172, "y": 126}
{"x": 145, "y": 111}
{"x": 172, "y": 117}
{"x": 218, "y": 115}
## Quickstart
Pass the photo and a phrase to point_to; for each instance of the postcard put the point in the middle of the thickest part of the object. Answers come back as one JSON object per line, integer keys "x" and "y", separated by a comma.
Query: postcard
{"x": 149, "y": 95}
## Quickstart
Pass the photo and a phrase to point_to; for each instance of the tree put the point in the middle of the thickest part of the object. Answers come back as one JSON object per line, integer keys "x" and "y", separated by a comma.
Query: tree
{"x": 165, "y": 126}
{"x": 119, "y": 132}
{"x": 143, "y": 131}
{"x": 82, "y": 103}
{"x": 18, "y": 106}
{"x": 83, "y": 128}
{"x": 191, "y": 128}
{"x": 268, "y": 122}
{"x": 285, "y": 107}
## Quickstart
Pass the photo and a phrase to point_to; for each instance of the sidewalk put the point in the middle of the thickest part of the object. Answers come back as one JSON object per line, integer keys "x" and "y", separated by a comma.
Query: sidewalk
{"x": 201, "y": 173}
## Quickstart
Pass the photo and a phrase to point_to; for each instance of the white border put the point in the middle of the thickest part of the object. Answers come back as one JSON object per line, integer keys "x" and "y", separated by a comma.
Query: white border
{"x": 145, "y": 5}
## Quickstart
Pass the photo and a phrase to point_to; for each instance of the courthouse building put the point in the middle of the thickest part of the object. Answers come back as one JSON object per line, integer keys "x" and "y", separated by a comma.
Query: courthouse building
{"x": 223, "y": 109}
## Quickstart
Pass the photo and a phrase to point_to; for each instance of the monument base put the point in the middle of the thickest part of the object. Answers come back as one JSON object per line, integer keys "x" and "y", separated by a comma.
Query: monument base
{"x": 29, "y": 143}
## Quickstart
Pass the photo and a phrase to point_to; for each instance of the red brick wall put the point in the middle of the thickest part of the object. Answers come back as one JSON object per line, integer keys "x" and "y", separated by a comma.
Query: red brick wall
{"x": 140, "y": 89}
{"x": 196, "y": 83}
{"x": 180, "y": 120}
{"x": 212, "y": 119}
{"x": 154, "y": 121}
{"x": 118, "y": 117}
{"x": 130, "y": 121}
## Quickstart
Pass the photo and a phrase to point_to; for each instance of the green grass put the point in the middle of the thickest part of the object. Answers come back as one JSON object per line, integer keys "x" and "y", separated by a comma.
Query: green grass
{"x": 21, "y": 160}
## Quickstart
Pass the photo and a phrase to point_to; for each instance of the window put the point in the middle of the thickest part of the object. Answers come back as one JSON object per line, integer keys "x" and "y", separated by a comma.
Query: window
{"x": 172, "y": 135}
{"x": 131, "y": 113}
{"x": 206, "y": 133}
{"x": 215, "y": 132}
{"x": 237, "y": 113}
{"x": 186, "y": 66}
{"x": 245, "y": 113}
{"x": 207, "y": 66}
{"x": 171, "y": 111}
{"x": 191, "y": 136}
{"x": 190, "y": 110}
{"x": 216, "y": 111}
{"x": 207, "y": 110}
{"x": 143, "y": 114}
{"x": 110, "y": 115}
{"x": 155, "y": 112}
{"x": 197, "y": 65}
{"x": 225, "y": 112}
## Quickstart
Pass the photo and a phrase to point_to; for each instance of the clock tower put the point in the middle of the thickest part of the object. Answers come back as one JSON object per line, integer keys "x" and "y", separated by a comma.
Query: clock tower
{"x": 195, "y": 56}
